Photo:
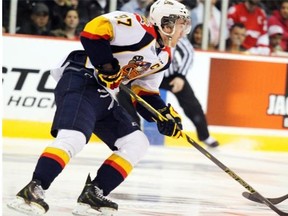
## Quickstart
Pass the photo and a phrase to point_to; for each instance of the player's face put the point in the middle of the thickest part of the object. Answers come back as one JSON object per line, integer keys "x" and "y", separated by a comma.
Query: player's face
{"x": 179, "y": 32}
{"x": 181, "y": 28}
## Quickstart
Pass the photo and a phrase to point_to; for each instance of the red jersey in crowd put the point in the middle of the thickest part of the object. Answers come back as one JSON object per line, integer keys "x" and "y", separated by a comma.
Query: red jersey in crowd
{"x": 255, "y": 23}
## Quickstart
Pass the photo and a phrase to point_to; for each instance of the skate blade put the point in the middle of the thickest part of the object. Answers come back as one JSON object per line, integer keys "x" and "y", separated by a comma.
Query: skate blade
{"x": 85, "y": 210}
{"x": 20, "y": 205}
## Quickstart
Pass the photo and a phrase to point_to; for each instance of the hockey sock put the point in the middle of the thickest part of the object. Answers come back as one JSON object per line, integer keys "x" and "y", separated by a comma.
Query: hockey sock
{"x": 50, "y": 164}
{"x": 112, "y": 173}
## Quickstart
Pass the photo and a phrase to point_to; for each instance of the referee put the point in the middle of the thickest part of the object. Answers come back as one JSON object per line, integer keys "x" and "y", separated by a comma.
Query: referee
{"x": 175, "y": 81}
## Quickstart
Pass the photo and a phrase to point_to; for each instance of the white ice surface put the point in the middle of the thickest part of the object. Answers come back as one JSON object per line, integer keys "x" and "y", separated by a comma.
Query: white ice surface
{"x": 167, "y": 182}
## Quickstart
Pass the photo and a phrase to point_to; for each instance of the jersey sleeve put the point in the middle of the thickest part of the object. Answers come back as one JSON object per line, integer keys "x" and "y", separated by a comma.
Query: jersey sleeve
{"x": 232, "y": 16}
{"x": 95, "y": 39}
{"x": 148, "y": 89}
{"x": 263, "y": 39}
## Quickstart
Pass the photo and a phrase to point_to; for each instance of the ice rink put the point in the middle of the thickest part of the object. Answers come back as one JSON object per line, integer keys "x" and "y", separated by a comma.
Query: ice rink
{"x": 169, "y": 181}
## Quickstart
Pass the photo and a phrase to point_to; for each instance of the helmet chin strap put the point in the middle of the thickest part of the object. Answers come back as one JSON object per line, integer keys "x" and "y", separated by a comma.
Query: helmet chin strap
{"x": 169, "y": 41}
{"x": 169, "y": 35}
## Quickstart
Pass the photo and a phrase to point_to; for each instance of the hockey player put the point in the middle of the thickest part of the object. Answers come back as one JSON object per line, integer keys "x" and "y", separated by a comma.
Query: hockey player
{"x": 118, "y": 47}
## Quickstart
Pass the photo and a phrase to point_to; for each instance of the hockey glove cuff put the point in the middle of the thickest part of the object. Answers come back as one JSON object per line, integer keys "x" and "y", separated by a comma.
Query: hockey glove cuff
{"x": 172, "y": 126}
{"x": 110, "y": 78}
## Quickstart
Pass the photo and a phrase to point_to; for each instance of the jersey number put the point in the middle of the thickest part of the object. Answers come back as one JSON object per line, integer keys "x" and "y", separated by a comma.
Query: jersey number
{"x": 124, "y": 20}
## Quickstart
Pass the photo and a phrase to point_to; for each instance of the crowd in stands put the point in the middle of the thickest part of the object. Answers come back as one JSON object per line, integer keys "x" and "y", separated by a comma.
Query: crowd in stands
{"x": 253, "y": 26}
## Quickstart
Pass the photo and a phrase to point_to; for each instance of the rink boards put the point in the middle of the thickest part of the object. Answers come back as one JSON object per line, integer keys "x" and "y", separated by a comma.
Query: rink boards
{"x": 266, "y": 140}
{"x": 244, "y": 97}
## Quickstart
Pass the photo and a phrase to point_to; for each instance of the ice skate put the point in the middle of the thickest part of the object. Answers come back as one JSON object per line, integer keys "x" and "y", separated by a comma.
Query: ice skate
{"x": 92, "y": 202}
{"x": 211, "y": 142}
{"x": 30, "y": 200}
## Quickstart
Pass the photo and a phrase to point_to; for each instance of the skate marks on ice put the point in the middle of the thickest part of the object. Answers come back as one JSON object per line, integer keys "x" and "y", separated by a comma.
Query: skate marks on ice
{"x": 168, "y": 181}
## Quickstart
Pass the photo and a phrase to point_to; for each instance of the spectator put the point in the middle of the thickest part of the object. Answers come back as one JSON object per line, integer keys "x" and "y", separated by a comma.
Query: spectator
{"x": 275, "y": 37}
{"x": 197, "y": 15}
{"x": 136, "y": 6}
{"x": 196, "y": 36}
{"x": 24, "y": 10}
{"x": 280, "y": 18}
{"x": 58, "y": 9}
{"x": 255, "y": 21}
{"x": 236, "y": 38}
{"x": 38, "y": 23}
{"x": 80, "y": 6}
{"x": 69, "y": 29}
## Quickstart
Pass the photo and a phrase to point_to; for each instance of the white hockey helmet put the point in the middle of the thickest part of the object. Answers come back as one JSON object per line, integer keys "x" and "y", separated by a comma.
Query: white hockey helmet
{"x": 166, "y": 12}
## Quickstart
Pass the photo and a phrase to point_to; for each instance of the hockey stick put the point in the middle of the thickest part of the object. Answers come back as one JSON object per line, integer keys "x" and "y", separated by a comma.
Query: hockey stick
{"x": 275, "y": 201}
{"x": 160, "y": 117}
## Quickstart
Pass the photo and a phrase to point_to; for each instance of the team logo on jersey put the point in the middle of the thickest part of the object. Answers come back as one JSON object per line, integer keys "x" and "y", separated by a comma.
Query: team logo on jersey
{"x": 135, "y": 68}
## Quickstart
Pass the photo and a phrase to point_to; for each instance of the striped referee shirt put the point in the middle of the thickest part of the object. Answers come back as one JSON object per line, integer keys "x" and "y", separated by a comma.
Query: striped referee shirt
{"x": 182, "y": 58}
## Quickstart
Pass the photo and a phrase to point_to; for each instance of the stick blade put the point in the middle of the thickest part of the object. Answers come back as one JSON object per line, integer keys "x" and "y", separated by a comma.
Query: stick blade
{"x": 275, "y": 201}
